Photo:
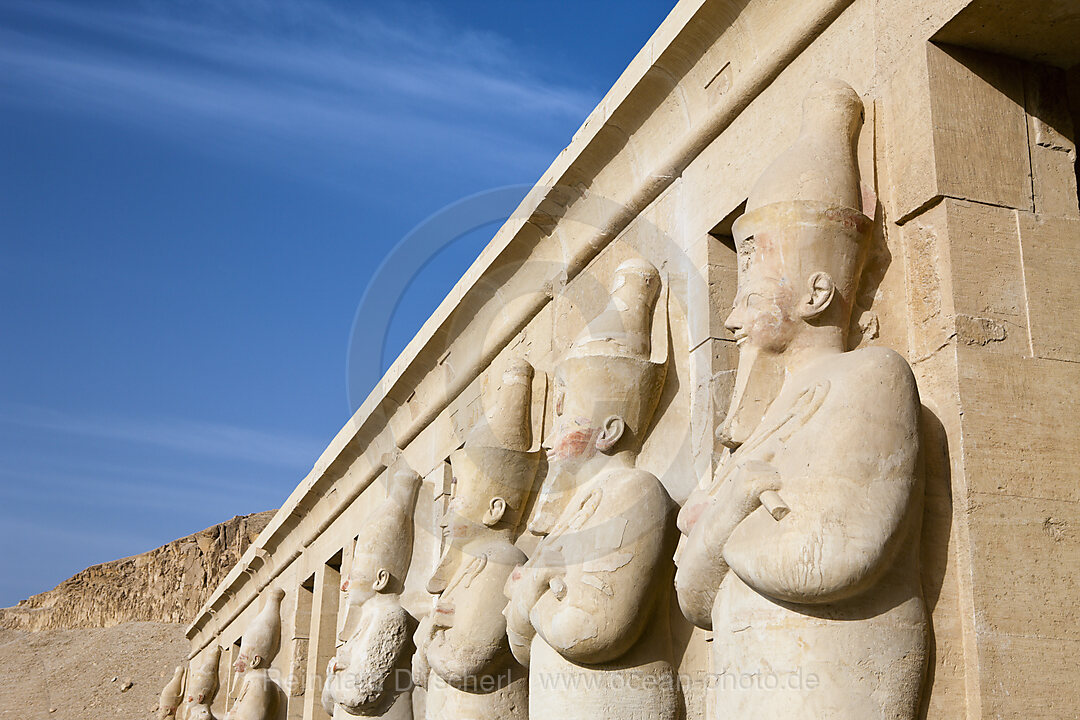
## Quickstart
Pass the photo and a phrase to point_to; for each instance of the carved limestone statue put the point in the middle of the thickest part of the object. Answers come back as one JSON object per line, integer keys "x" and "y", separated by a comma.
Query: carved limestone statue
{"x": 473, "y": 675}
{"x": 588, "y": 611}
{"x": 171, "y": 695}
{"x": 368, "y": 675}
{"x": 801, "y": 554}
{"x": 202, "y": 687}
{"x": 258, "y": 696}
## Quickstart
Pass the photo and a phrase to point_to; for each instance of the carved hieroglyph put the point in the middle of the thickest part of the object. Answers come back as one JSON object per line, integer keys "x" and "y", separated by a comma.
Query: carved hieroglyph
{"x": 202, "y": 687}
{"x": 365, "y": 677}
{"x": 258, "y": 696}
{"x": 586, "y": 613}
{"x": 463, "y": 655}
{"x": 801, "y": 554}
{"x": 171, "y": 695}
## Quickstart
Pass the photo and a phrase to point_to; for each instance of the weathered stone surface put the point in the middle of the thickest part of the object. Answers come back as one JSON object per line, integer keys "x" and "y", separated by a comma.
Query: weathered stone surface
{"x": 801, "y": 554}
{"x": 1042, "y": 31}
{"x": 1052, "y": 138}
{"x": 1051, "y": 249}
{"x": 987, "y": 277}
{"x": 463, "y": 655}
{"x": 1015, "y": 598}
{"x": 168, "y": 584}
{"x": 259, "y": 695}
{"x": 998, "y": 394}
{"x": 588, "y": 607}
{"x": 360, "y": 679}
{"x": 975, "y": 104}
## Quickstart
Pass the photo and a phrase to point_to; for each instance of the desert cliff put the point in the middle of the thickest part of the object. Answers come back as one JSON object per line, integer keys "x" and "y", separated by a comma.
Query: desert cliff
{"x": 165, "y": 585}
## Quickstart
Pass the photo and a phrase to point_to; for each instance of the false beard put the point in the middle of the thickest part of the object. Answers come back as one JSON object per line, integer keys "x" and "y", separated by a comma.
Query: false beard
{"x": 555, "y": 494}
{"x": 757, "y": 382}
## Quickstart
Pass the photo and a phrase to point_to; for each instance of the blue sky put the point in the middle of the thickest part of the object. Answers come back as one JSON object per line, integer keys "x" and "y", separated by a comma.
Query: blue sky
{"x": 193, "y": 197}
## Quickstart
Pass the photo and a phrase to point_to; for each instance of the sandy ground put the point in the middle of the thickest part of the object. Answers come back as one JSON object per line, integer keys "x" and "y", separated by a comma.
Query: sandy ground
{"x": 71, "y": 671}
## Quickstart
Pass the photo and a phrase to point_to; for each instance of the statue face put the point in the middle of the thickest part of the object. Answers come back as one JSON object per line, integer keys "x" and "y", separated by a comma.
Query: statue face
{"x": 363, "y": 579}
{"x": 572, "y": 441}
{"x": 246, "y": 660}
{"x": 464, "y": 518}
{"x": 467, "y": 517}
{"x": 764, "y": 314}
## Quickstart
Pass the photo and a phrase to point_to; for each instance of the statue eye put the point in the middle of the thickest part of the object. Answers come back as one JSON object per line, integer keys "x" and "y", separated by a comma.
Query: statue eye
{"x": 756, "y": 299}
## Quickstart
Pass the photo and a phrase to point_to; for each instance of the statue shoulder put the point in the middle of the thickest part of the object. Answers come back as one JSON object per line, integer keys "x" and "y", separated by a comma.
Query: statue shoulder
{"x": 875, "y": 372}
{"x": 639, "y": 486}
{"x": 870, "y": 387}
{"x": 383, "y": 615}
{"x": 502, "y": 552}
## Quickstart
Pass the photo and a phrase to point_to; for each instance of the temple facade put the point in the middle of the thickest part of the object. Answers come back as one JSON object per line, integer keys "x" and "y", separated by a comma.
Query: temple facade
{"x": 762, "y": 404}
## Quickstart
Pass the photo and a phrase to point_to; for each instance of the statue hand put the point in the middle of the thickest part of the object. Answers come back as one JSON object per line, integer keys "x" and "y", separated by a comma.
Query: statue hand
{"x": 707, "y": 523}
{"x": 420, "y": 669}
{"x": 741, "y": 494}
{"x": 523, "y": 589}
{"x": 520, "y": 646}
{"x": 699, "y": 570}
{"x": 422, "y": 639}
{"x": 517, "y": 619}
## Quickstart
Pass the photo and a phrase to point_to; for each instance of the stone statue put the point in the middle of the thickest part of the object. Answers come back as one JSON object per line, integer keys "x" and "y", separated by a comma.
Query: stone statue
{"x": 258, "y": 696}
{"x": 802, "y": 553}
{"x": 588, "y": 612}
{"x": 369, "y": 675}
{"x": 171, "y": 695}
{"x": 202, "y": 686}
{"x": 463, "y": 646}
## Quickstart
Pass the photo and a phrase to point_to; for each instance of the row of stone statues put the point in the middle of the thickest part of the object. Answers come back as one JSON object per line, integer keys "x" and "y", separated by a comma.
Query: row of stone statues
{"x": 191, "y": 691}
{"x": 799, "y": 555}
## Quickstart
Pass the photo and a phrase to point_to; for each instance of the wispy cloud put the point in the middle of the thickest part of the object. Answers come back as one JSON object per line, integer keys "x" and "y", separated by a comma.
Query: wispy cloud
{"x": 184, "y": 436}
{"x": 356, "y": 80}
{"x": 22, "y": 532}
{"x": 141, "y": 486}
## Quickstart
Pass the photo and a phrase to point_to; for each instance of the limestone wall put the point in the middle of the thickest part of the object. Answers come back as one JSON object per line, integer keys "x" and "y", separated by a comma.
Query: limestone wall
{"x": 983, "y": 183}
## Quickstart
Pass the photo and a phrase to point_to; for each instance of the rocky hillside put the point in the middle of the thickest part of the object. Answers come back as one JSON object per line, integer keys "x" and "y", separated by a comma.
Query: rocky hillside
{"x": 166, "y": 585}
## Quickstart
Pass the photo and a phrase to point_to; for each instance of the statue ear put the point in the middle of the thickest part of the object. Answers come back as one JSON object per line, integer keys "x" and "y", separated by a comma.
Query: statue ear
{"x": 256, "y": 661}
{"x": 821, "y": 291}
{"x": 613, "y": 429}
{"x": 496, "y": 510}
{"x": 382, "y": 579}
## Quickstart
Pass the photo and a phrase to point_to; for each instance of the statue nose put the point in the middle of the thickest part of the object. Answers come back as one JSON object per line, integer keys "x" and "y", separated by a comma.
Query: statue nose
{"x": 440, "y": 578}
{"x": 437, "y": 582}
{"x": 733, "y": 322}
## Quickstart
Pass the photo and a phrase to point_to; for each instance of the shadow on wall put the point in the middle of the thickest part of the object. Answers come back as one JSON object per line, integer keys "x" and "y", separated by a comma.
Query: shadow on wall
{"x": 936, "y": 529}
{"x": 864, "y": 321}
